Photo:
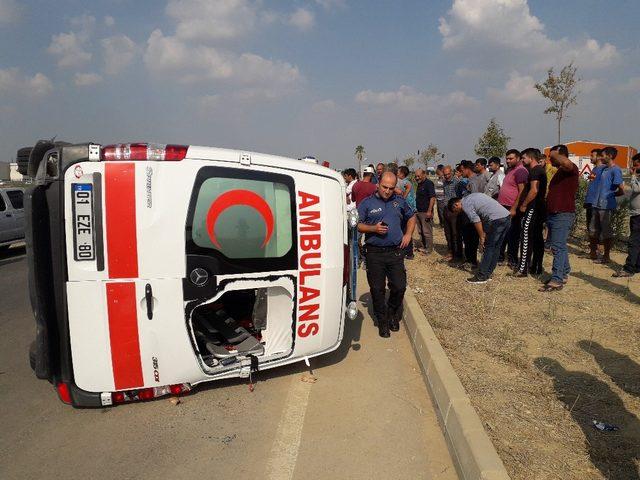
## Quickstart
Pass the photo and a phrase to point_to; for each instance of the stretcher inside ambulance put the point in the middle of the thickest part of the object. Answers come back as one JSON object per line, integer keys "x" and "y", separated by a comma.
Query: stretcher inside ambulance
{"x": 154, "y": 268}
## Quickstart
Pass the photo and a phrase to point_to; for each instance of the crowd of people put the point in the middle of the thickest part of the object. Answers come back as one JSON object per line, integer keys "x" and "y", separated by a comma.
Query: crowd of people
{"x": 510, "y": 215}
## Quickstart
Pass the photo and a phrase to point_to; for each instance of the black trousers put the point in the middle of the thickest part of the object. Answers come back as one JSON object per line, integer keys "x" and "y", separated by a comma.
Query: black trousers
{"x": 469, "y": 238}
{"x": 632, "y": 265}
{"x": 386, "y": 265}
{"x": 511, "y": 243}
{"x": 453, "y": 234}
{"x": 531, "y": 241}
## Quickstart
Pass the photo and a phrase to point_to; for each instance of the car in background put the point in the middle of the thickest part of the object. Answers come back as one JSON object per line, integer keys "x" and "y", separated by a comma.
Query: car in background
{"x": 11, "y": 216}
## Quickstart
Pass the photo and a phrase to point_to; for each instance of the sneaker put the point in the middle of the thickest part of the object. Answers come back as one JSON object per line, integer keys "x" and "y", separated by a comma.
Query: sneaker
{"x": 409, "y": 257}
{"x": 477, "y": 280}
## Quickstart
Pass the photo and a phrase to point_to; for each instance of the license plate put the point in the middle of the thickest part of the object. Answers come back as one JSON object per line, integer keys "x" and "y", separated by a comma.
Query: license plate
{"x": 83, "y": 230}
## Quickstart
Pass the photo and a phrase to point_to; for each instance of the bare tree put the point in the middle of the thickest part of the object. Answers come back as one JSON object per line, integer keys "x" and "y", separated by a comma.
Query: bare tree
{"x": 409, "y": 161}
{"x": 560, "y": 91}
{"x": 429, "y": 154}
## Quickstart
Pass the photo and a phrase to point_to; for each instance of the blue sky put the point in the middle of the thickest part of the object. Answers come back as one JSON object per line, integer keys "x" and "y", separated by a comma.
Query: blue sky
{"x": 316, "y": 77}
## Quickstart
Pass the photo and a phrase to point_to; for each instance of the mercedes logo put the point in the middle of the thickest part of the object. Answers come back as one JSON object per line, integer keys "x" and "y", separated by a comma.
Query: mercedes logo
{"x": 199, "y": 276}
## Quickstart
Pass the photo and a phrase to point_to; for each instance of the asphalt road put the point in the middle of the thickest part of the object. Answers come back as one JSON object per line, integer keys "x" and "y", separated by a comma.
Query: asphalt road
{"x": 368, "y": 416}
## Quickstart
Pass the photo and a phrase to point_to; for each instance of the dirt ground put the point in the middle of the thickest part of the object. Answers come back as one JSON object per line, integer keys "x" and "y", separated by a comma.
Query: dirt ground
{"x": 540, "y": 367}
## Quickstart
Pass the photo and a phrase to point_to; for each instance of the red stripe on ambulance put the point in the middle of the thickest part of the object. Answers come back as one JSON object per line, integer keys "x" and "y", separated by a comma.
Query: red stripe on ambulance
{"x": 120, "y": 202}
{"x": 123, "y": 334}
{"x": 310, "y": 263}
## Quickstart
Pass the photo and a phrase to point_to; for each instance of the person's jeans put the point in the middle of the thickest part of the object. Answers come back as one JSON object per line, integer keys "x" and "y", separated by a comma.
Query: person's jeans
{"x": 440, "y": 206}
{"x": 495, "y": 233}
{"x": 632, "y": 265}
{"x": 559, "y": 227}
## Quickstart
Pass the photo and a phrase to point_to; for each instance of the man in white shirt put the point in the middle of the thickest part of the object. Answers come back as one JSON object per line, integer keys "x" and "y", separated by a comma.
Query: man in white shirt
{"x": 495, "y": 181}
{"x": 350, "y": 177}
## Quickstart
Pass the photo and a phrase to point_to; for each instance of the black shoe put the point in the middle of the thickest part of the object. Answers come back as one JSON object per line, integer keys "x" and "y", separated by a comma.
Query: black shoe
{"x": 383, "y": 330}
{"x": 478, "y": 280}
{"x": 409, "y": 257}
{"x": 394, "y": 325}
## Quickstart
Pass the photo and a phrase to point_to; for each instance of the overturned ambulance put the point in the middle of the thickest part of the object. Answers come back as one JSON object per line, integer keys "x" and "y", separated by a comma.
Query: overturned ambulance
{"x": 153, "y": 268}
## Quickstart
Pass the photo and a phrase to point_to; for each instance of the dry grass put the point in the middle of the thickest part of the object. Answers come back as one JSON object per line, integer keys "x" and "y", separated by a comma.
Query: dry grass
{"x": 539, "y": 367}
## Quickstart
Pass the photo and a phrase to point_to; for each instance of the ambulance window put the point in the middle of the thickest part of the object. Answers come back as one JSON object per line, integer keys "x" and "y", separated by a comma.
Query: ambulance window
{"x": 243, "y": 218}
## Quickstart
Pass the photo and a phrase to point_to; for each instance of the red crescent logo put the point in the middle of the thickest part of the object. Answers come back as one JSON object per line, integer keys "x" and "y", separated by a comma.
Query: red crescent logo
{"x": 239, "y": 197}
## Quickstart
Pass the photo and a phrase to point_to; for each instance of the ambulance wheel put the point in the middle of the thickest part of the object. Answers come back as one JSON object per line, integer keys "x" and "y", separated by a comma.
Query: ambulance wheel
{"x": 32, "y": 355}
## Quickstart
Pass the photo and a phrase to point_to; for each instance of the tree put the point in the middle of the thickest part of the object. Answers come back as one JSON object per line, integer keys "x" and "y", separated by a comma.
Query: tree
{"x": 560, "y": 91}
{"x": 429, "y": 154}
{"x": 409, "y": 161}
{"x": 493, "y": 142}
{"x": 359, "y": 153}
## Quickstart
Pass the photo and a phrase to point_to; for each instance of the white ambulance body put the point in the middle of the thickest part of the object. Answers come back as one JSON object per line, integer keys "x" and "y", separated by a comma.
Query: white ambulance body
{"x": 176, "y": 265}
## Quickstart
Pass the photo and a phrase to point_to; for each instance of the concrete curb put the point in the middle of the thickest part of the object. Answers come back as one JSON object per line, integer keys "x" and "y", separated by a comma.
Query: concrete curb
{"x": 473, "y": 453}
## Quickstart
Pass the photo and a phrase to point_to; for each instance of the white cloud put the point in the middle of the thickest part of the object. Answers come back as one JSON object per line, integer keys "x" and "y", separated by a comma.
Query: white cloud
{"x": 10, "y": 11}
{"x": 14, "y": 82}
{"x": 205, "y": 20}
{"x": 332, "y": 4}
{"x": 302, "y": 19}
{"x": 109, "y": 21}
{"x": 119, "y": 51}
{"x": 201, "y": 64}
{"x": 630, "y": 86}
{"x": 408, "y": 99}
{"x": 86, "y": 79}
{"x": 518, "y": 88}
{"x": 84, "y": 24}
{"x": 507, "y": 30}
{"x": 69, "y": 49}
{"x": 324, "y": 106}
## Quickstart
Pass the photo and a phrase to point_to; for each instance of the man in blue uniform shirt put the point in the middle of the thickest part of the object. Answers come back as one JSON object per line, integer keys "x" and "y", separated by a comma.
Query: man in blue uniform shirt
{"x": 381, "y": 218}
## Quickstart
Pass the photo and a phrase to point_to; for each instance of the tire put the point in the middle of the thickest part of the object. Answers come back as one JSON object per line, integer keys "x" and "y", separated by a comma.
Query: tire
{"x": 32, "y": 355}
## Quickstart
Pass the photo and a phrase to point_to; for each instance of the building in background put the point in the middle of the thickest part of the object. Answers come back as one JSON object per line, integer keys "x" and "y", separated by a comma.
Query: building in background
{"x": 580, "y": 154}
{"x": 9, "y": 172}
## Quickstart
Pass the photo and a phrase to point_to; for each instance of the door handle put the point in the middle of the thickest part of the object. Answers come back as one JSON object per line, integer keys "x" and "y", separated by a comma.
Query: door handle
{"x": 9, "y": 215}
{"x": 148, "y": 295}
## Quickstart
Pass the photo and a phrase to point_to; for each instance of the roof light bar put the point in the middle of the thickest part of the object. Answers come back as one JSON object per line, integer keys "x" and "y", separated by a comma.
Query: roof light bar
{"x": 143, "y": 151}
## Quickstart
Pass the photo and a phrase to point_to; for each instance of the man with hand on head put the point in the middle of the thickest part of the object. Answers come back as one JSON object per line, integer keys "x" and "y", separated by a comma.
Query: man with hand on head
{"x": 380, "y": 218}
{"x": 561, "y": 212}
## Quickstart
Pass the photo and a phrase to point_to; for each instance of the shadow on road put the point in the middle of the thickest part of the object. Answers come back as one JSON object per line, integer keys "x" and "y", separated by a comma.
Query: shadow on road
{"x": 587, "y": 398}
{"x": 623, "y": 371}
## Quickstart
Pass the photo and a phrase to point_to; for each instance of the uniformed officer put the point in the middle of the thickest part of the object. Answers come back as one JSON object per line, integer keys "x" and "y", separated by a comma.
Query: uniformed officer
{"x": 381, "y": 218}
